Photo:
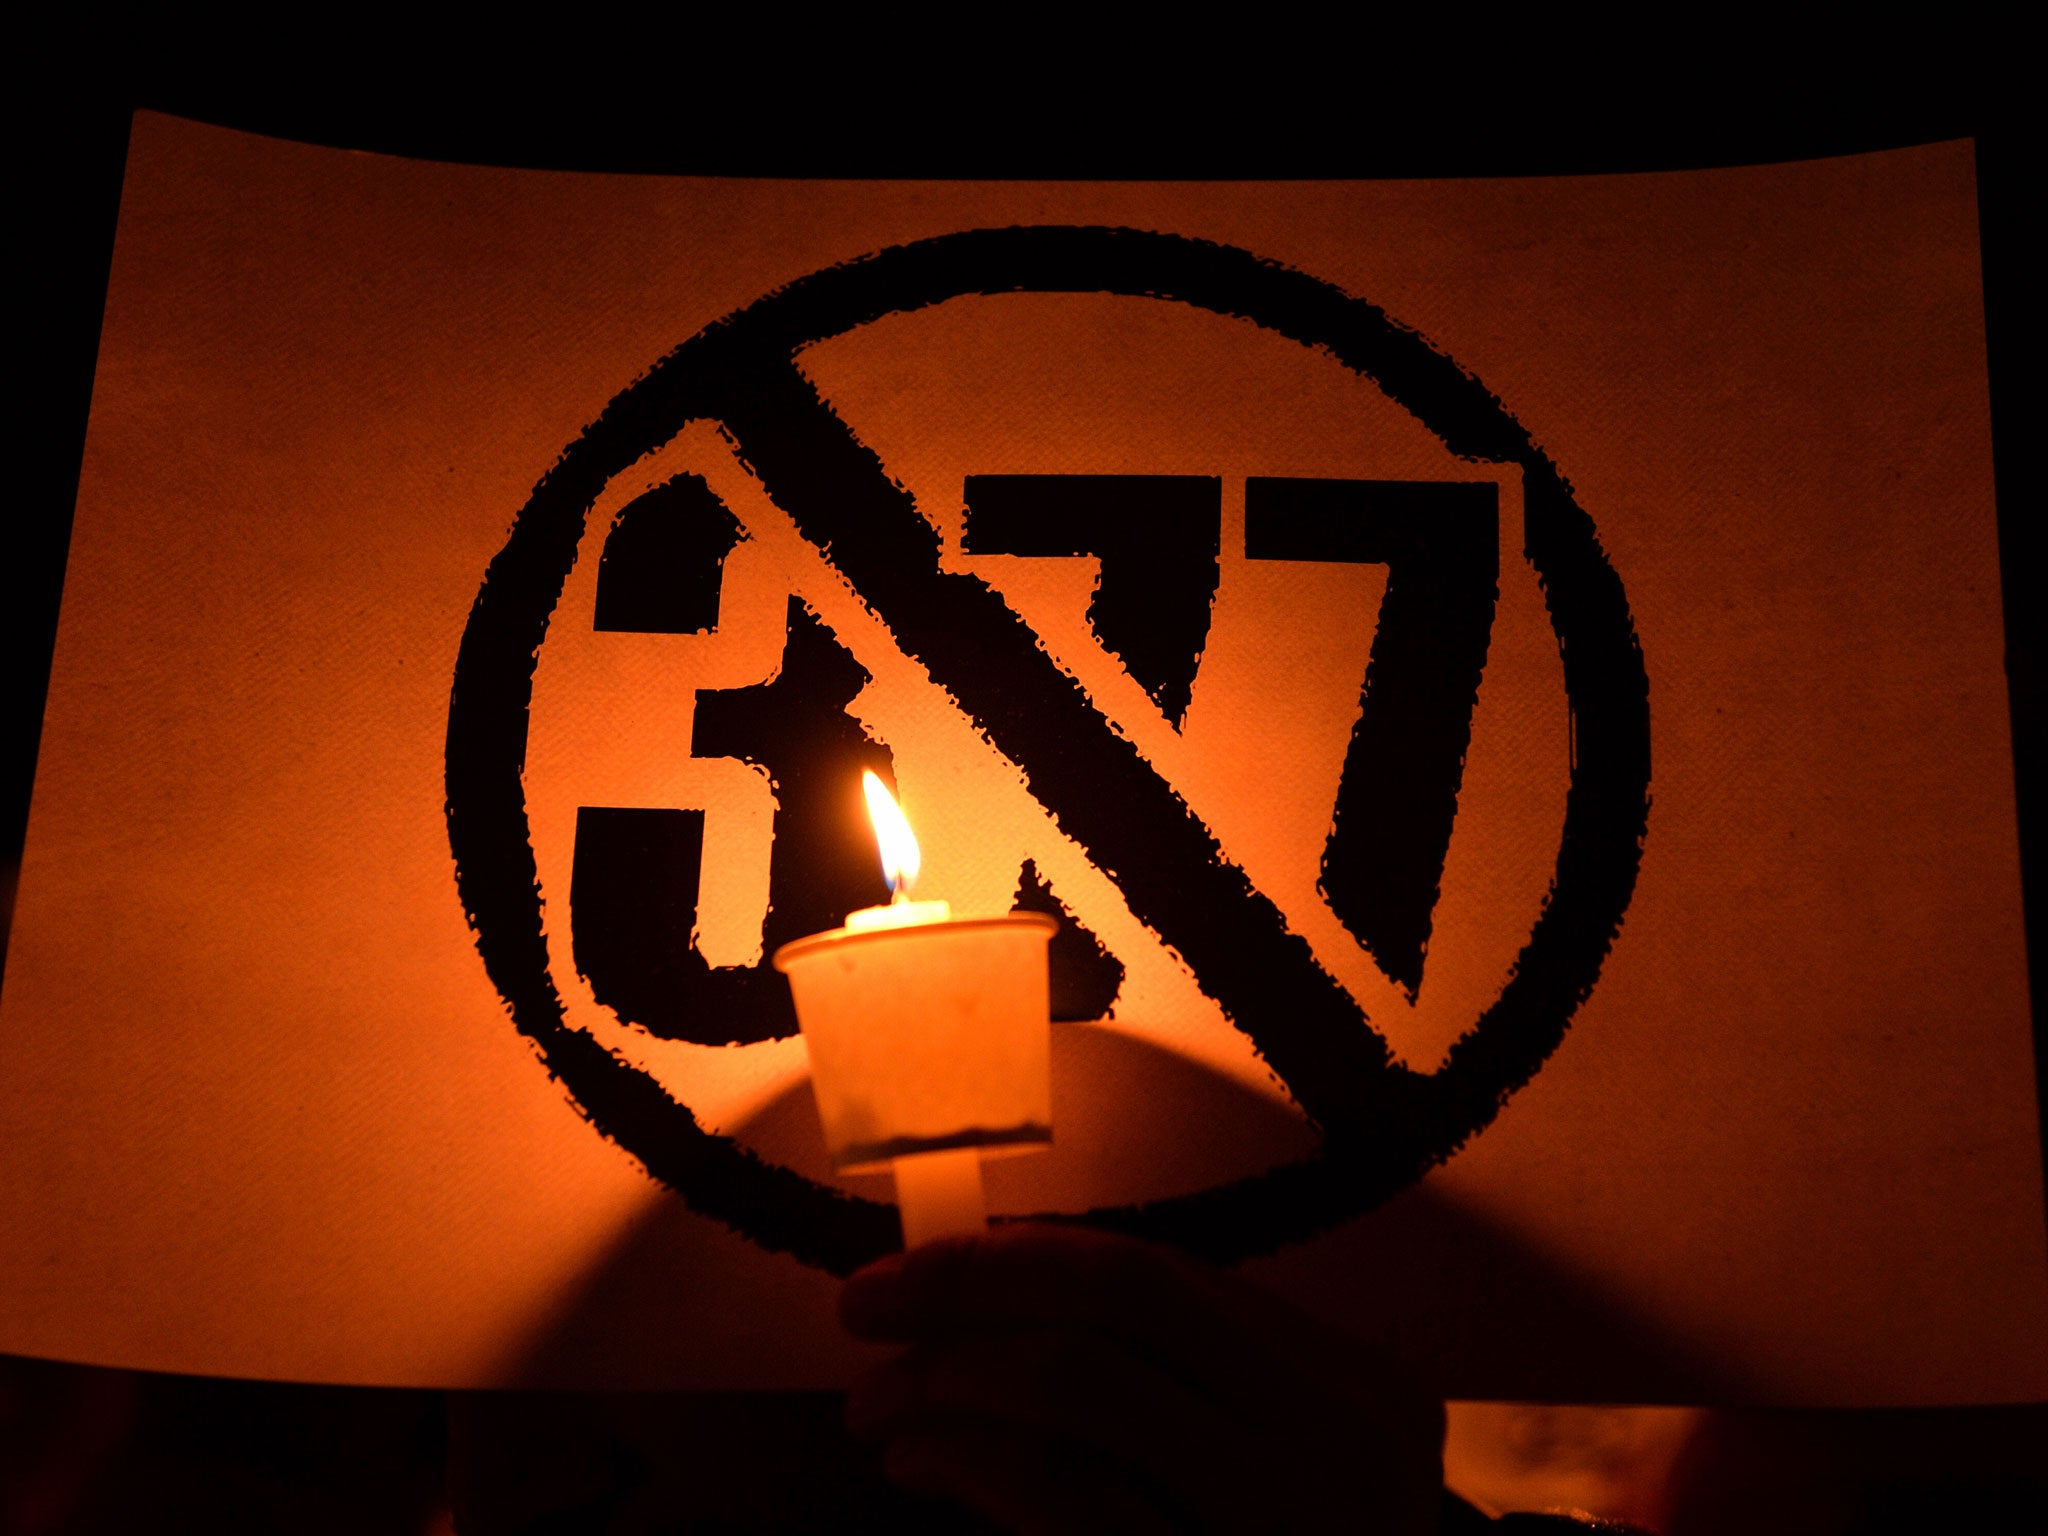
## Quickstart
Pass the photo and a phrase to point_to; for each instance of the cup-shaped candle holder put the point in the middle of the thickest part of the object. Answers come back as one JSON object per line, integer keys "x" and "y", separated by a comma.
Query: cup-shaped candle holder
{"x": 927, "y": 1038}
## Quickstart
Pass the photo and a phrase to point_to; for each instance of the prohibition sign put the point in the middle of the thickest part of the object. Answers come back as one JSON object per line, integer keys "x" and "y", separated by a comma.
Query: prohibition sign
{"x": 1382, "y": 1124}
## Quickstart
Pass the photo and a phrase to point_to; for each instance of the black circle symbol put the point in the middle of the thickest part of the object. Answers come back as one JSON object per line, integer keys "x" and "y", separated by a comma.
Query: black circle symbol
{"x": 1382, "y": 1124}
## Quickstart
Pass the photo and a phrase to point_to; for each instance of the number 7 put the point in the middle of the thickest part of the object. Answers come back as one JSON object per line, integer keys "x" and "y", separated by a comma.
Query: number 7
{"x": 1391, "y": 828}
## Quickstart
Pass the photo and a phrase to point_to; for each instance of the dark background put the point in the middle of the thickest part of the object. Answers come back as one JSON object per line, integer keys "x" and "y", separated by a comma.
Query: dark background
{"x": 1062, "y": 97}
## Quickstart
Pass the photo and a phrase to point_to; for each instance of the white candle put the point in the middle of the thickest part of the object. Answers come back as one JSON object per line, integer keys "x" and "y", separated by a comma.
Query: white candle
{"x": 901, "y": 861}
{"x": 929, "y": 1038}
{"x": 898, "y": 914}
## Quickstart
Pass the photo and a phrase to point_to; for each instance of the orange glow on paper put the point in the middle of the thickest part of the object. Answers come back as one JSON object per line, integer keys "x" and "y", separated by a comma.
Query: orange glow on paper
{"x": 255, "y": 1070}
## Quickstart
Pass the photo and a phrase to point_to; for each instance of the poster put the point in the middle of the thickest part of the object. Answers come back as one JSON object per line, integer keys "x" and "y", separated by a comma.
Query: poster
{"x": 1500, "y": 680}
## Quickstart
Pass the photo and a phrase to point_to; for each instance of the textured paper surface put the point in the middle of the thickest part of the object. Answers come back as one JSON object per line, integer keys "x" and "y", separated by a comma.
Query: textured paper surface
{"x": 264, "y": 1111}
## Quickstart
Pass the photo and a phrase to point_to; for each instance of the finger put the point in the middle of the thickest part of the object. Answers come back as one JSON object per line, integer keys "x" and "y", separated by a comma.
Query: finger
{"x": 1026, "y": 1482}
{"x": 1072, "y": 1385}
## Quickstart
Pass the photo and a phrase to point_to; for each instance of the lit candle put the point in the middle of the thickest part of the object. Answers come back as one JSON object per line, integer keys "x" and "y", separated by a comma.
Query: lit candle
{"x": 929, "y": 1038}
{"x": 900, "y": 863}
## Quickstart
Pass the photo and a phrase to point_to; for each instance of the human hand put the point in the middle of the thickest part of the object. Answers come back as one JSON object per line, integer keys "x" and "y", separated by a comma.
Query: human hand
{"x": 1063, "y": 1379}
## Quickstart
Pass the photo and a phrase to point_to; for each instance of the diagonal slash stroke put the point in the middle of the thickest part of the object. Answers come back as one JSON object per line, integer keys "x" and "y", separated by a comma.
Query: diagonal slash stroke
{"x": 1092, "y": 780}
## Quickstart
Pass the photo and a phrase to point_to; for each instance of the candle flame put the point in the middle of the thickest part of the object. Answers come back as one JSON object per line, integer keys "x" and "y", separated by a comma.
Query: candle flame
{"x": 892, "y": 832}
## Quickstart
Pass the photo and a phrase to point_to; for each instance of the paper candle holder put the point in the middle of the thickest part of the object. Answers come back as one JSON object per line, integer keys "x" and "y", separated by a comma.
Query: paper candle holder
{"x": 925, "y": 1038}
